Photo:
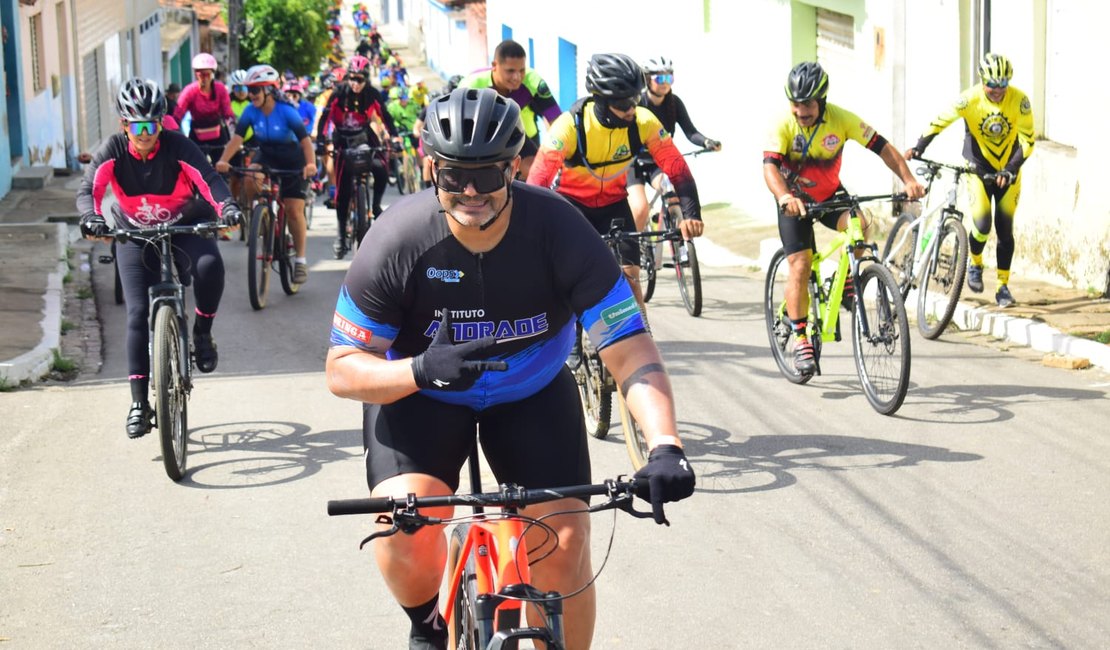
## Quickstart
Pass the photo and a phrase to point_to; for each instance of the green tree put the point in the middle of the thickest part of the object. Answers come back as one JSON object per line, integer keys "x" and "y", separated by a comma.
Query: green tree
{"x": 287, "y": 34}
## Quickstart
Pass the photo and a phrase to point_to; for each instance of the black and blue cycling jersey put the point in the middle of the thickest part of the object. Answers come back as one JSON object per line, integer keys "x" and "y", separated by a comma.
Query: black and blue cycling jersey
{"x": 549, "y": 269}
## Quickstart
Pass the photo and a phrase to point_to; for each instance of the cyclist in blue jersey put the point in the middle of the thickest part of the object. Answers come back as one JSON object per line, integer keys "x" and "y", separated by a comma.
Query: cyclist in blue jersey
{"x": 459, "y": 314}
{"x": 283, "y": 143}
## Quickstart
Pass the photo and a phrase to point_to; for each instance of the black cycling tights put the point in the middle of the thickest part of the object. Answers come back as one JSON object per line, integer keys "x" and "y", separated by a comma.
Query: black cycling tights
{"x": 345, "y": 189}
{"x": 197, "y": 258}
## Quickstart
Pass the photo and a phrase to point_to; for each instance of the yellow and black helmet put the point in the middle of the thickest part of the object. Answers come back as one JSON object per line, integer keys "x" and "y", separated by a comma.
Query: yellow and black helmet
{"x": 807, "y": 81}
{"x": 995, "y": 67}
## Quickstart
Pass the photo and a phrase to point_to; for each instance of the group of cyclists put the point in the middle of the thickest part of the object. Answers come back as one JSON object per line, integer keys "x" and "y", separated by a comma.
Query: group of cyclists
{"x": 460, "y": 310}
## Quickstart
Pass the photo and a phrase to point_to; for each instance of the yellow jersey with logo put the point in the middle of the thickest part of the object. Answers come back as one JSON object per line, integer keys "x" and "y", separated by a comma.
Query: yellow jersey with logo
{"x": 815, "y": 153}
{"x": 609, "y": 156}
{"x": 991, "y": 130}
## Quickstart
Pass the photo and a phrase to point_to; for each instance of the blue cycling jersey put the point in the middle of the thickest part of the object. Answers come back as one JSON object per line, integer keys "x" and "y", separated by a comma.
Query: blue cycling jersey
{"x": 280, "y": 129}
{"x": 550, "y": 267}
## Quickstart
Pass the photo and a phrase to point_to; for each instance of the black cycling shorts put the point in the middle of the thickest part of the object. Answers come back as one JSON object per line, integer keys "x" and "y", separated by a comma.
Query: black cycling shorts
{"x": 797, "y": 234}
{"x": 537, "y": 442}
{"x": 292, "y": 187}
{"x": 642, "y": 173}
{"x": 602, "y": 220}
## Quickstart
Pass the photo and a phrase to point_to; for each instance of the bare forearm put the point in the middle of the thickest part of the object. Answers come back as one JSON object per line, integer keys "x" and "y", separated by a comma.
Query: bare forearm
{"x": 354, "y": 374}
{"x": 896, "y": 163}
{"x": 641, "y": 378}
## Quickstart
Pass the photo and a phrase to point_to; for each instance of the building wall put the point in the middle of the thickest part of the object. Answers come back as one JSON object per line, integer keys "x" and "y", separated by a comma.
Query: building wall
{"x": 46, "y": 93}
{"x": 911, "y": 58}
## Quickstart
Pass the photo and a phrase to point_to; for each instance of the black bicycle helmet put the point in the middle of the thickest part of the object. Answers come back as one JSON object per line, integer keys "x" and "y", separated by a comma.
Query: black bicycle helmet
{"x": 614, "y": 76}
{"x": 807, "y": 81}
{"x": 473, "y": 125}
{"x": 140, "y": 100}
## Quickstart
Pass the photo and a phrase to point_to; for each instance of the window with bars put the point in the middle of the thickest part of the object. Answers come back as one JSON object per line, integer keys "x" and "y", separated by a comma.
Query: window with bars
{"x": 38, "y": 73}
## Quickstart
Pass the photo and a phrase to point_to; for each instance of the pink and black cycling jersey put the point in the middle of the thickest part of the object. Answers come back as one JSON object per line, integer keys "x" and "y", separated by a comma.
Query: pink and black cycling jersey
{"x": 207, "y": 110}
{"x": 151, "y": 191}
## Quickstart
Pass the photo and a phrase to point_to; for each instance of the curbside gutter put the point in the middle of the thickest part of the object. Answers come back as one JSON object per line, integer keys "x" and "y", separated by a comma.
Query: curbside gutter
{"x": 36, "y": 364}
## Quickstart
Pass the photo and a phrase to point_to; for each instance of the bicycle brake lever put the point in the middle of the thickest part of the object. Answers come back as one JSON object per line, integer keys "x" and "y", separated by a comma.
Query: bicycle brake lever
{"x": 382, "y": 519}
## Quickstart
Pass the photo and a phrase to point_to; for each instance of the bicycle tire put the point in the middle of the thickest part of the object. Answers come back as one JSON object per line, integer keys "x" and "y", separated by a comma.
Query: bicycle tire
{"x": 901, "y": 265}
{"x": 285, "y": 253}
{"x": 171, "y": 395}
{"x": 686, "y": 267}
{"x": 647, "y": 268}
{"x": 309, "y": 205}
{"x": 634, "y": 439}
{"x": 396, "y": 165}
{"x": 359, "y": 218}
{"x": 883, "y": 359}
{"x": 597, "y": 399}
{"x": 945, "y": 271}
{"x": 780, "y": 333}
{"x": 259, "y": 256}
{"x": 463, "y": 626}
{"x": 118, "y": 295}
{"x": 408, "y": 173}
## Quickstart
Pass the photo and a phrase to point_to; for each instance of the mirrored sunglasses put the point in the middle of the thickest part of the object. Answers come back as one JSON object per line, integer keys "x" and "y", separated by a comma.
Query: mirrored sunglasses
{"x": 663, "y": 78}
{"x": 356, "y": 79}
{"x": 239, "y": 89}
{"x": 255, "y": 90}
{"x": 486, "y": 180}
{"x": 998, "y": 83}
{"x": 624, "y": 104}
{"x": 140, "y": 128}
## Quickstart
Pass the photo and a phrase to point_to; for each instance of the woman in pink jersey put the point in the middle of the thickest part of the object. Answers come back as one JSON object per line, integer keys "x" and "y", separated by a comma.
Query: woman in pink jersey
{"x": 210, "y": 105}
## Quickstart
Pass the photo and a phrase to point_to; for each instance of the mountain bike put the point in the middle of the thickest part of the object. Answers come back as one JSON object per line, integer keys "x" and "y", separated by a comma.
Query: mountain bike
{"x": 930, "y": 252}
{"x": 171, "y": 353}
{"x": 357, "y": 158}
{"x": 665, "y": 215}
{"x": 269, "y": 241}
{"x": 880, "y": 330}
{"x": 405, "y": 166}
{"x": 489, "y": 563}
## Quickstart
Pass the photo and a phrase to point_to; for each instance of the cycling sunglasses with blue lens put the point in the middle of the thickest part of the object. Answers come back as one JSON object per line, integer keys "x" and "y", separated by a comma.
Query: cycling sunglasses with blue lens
{"x": 486, "y": 180}
{"x": 998, "y": 83}
{"x": 140, "y": 128}
{"x": 239, "y": 89}
{"x": 663, "y": 78}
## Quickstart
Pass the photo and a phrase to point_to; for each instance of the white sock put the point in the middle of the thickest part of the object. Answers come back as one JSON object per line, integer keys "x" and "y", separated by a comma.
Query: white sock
{"x": 301, "y": 260}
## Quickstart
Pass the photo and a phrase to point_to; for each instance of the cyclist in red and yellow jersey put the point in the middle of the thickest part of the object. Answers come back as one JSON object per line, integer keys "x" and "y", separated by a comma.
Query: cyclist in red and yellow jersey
{"x": 594, "y": 144}
{"x": 998, "y": 127}
{"x": 807, "y": 146}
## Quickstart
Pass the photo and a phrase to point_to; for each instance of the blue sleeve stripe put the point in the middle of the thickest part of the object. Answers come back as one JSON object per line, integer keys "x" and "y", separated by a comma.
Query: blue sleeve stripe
{"x": 615, "y": 317}
{"x": 351, "y": 327}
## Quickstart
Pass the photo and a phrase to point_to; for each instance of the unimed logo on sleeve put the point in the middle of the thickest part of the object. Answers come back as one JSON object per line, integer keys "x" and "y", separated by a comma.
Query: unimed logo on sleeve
{"x": 619, "y": 312}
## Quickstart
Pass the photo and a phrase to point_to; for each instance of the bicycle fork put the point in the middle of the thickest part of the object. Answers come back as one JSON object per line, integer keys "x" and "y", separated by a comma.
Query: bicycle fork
{"x": 486, "y": 607}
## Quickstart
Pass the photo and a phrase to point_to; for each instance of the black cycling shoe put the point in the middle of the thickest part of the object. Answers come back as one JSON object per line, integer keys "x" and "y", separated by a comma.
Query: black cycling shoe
{"x": 340, "y": 248}
{"x": 140, "y": 420}
{"x": 204, "y": 352}
{"x": 434, "y": 641}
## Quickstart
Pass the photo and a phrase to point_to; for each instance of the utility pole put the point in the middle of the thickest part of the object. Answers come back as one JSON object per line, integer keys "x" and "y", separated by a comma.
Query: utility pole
{"x": 234, "y": 10}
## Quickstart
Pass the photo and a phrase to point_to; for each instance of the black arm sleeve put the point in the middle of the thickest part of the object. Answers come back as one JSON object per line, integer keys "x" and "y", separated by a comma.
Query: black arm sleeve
{"x": 683, "y": 120}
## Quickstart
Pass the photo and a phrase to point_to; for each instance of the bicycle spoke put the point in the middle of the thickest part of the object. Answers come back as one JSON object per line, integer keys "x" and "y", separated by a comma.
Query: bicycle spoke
{"x": 880, "y": 339}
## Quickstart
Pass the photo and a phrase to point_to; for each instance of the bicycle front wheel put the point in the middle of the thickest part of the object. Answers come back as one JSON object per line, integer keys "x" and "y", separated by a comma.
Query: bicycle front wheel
{"x": 899, "y": 257}
{"x": 171, "y": 394}
{"x": 882, "y": 352}
{"x": 360, "y": 216}
{"x": 463, "y": 626}
{"x": 285, "y": 253}
{"x": 780, "y": 331}
{"x": 685, "y": 256}
{"x": 634, "y": 440}
{"x": 943, "y": 275}
{"x": 647, "y": 268}
{"x": 260, "y": 245}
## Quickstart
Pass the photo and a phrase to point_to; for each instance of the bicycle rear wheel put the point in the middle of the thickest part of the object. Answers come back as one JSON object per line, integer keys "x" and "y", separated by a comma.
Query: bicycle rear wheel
{"x": 943, "y": 274}
{"x": 171, "y": 394}
{"x": 634, "y": 440}
{"x": 647, "y": 268}
{"x": 901, "y": 262}
{"x": 882, "y": 354}
{"x": 780, "y": 332}
{"x": 597, "y": 398}
{"x": 260, "y": 245}
{"x": 463, "y": 626}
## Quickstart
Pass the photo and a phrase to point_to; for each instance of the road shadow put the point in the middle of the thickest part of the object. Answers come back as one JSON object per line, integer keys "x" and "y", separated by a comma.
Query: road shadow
{"x": 763, "y": 463}
{"x": 253, "y": 454}
{"x": 983, "y": 403}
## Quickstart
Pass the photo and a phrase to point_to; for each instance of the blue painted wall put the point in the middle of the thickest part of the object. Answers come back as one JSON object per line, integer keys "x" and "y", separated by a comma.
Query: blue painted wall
{"x": 568, "y": 73}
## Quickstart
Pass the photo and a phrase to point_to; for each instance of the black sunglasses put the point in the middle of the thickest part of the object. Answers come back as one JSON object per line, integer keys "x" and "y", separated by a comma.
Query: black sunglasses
{"x": 255, "y": 90}
{"x": 486, "y": 180}
{"x": 624, "y": 104}
{"x": 356, "y": 79}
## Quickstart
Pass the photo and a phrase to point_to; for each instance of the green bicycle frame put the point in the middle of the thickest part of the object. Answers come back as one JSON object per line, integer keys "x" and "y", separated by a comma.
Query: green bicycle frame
{"x": 828, "y": 307}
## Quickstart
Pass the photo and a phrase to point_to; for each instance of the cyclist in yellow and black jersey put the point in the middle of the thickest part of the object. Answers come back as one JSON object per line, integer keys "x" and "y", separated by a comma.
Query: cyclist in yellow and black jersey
{"x": 998, "y": 128}
{"x": 591, "y": 148}
{"x": 807, "y": 147}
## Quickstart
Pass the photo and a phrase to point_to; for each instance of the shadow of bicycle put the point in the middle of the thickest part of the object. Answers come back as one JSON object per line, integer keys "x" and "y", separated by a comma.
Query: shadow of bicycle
{"x": 772, "y": 462}
{"x": 238, "y": 455}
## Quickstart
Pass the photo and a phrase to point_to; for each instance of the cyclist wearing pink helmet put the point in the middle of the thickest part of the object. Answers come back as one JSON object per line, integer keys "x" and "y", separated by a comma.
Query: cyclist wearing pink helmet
{"x": 209, "y": 103}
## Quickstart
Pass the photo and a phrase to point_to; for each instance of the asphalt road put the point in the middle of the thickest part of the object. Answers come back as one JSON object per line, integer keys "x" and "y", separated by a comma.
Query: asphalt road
{"x": 976, "y": 517}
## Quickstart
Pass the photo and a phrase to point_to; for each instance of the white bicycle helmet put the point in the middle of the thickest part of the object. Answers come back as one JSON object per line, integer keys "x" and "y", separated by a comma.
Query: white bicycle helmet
{"x": 237, "y": 78}
{"x": 204, "y": 61}
{"x": 263, "y": 75}
{"x": 659, "y": 65}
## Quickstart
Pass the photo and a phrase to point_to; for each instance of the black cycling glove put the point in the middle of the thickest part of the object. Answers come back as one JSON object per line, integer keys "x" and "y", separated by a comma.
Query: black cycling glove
{"x": 230, "y": 215}
{"x": 94, "y": 225}
{"x": 445, "y": 366}
{"x": 666, "y": 477}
